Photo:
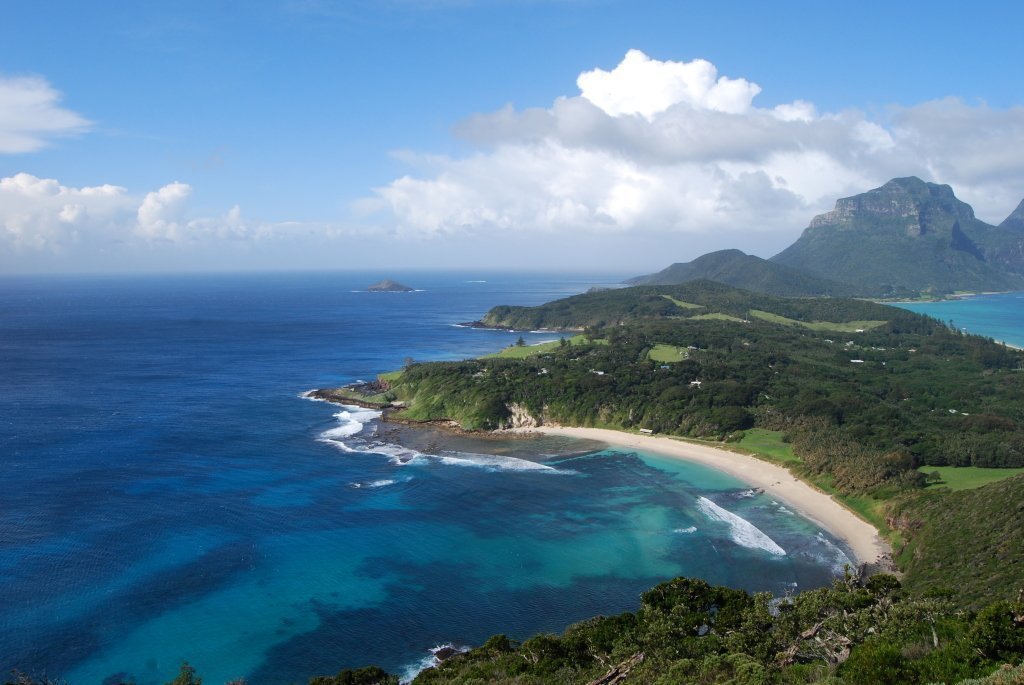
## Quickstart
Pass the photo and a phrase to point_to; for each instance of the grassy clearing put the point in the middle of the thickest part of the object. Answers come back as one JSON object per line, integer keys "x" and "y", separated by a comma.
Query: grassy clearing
{"x": 524, "y": 351}
{"x": 390, "y": 376}
{"x": 840, "y": 327}
{"x": 666, "y": 354}
{"x": 681, "y": 304}
{"x": 769, "y": 444}
{"x": 968, "y": 477}
{"x": 717, "y": 316}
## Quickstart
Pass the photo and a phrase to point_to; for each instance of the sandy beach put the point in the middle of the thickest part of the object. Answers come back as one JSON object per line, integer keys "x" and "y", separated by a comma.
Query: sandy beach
{"x": 862, "y": 538}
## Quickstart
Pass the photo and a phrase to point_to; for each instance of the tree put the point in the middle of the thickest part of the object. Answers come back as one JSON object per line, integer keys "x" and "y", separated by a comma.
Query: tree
{"x": 520, "y": 342}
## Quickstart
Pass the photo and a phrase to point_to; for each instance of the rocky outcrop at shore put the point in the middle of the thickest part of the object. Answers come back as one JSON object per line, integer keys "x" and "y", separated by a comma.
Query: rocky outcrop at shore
{"x": 520, "y": 417}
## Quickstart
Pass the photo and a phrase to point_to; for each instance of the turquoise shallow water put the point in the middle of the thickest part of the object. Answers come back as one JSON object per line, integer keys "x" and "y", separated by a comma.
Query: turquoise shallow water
{"x": 998, "y": 316}
{"x": 170, "y": 496}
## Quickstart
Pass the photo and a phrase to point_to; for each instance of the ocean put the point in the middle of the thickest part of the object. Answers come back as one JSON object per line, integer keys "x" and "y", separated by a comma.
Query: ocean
{"x": 999, "y": 316}
{"x": 170, "y": 496}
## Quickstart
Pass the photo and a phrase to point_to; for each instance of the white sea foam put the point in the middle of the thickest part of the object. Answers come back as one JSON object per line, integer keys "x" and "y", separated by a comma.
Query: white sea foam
{"x": 352, "y": 420}
{"x": 837, "y": 557}
{"x": 308, "y": 395}
{"x": 688, "y": 529}
{"x": 348, "y": 437}
{"x": 374, "y": 484}
{"x": 782, "y": 509}
{"x": 493, "y": 462}
{"x": 410, "y": 672}
{"x": 742, "y": 531}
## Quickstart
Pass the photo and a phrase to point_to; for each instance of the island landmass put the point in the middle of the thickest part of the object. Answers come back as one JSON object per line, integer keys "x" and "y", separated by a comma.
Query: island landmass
{"x": 389, "y": 286}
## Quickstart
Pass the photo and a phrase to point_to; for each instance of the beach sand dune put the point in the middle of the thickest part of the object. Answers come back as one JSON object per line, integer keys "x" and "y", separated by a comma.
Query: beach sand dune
{"x": 861, "y": 537}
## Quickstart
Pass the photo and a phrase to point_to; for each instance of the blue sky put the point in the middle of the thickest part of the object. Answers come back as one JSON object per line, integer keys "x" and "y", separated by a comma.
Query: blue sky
{"x": 418, "y": 133}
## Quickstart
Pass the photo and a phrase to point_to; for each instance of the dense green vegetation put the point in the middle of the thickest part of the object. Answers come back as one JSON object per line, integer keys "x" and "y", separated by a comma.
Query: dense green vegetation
{"x": 611, "y": 307}
{"x": 969, "y": 542}
{"x": 863, "y": 408}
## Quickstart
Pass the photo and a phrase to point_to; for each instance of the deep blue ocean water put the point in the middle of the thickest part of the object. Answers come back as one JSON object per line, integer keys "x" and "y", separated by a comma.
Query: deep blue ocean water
{"x": 168, "y": 494}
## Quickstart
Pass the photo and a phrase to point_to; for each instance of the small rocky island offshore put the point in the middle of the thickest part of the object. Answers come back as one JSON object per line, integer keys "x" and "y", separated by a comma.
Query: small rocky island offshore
{"x": 389, "y": 286}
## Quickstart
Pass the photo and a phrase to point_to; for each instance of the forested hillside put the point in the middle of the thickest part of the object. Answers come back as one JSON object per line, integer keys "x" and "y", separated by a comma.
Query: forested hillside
{"x": 693, "y": 300}
{"x": 867, "y": 392}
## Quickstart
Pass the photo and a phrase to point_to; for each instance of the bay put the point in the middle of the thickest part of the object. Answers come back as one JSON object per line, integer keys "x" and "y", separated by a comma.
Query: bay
{"x": 169, "y": 495}
{"x": 999, "y": 316}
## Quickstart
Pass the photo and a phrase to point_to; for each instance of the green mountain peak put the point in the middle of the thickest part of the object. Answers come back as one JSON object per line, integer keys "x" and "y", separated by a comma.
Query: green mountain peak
{"x": 740, "y": 270}
{"x": 908, "y": 235}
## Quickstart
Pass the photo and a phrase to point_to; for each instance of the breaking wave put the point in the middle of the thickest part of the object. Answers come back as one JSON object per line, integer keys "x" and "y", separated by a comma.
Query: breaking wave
{"x": 837, "y": 558}
{"x": 374, "y": 484}
{"x": 410, "y": 672}
{"x": 356, "y": 428}
{"x": 742, "y": 531}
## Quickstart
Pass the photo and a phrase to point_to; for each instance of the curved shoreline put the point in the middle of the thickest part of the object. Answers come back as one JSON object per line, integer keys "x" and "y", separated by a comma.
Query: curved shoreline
{"x": 860, "y": 536}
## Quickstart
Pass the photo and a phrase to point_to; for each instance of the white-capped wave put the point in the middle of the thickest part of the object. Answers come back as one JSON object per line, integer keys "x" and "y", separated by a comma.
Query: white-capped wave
{"x": 352, "y": 420}
{"x": 742, "y": 531}
{"x": 308, "y": 395}
{"x": 410, "y": 672}
{"x": 781, "y": 508}
{"x": 373, "y": 484}
{"x": 837, "y": 557}
{"x": 349, "y": 436}
{"x": 493, "y": 462}
{"x": 688, "y": 529}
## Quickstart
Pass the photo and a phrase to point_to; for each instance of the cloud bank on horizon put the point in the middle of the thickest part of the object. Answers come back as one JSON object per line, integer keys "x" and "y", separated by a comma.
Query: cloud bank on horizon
{"x": 649, "y": 147}
{"x": 675, "y": 147}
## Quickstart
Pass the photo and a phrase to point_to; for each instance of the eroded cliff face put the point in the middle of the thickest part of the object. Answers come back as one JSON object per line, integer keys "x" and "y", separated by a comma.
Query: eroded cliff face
{"x": 915, "y": 207}
{"x": 519, "y": 417}
{"x": 909, "y": 236}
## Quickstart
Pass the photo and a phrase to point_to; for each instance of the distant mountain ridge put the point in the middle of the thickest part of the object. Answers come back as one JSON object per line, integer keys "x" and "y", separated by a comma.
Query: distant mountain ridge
{"x": 740, "y": 270}
{"x": 904, "y": 238}
{"x": 910, "y": 235}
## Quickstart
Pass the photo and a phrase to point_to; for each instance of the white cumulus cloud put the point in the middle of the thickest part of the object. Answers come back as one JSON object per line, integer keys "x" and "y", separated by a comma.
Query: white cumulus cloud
{"x": 30, "y": 115}
{"x": 42, "y": 214}
{"x": 673, "y": 147}
{"x": 645, "y": 86}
